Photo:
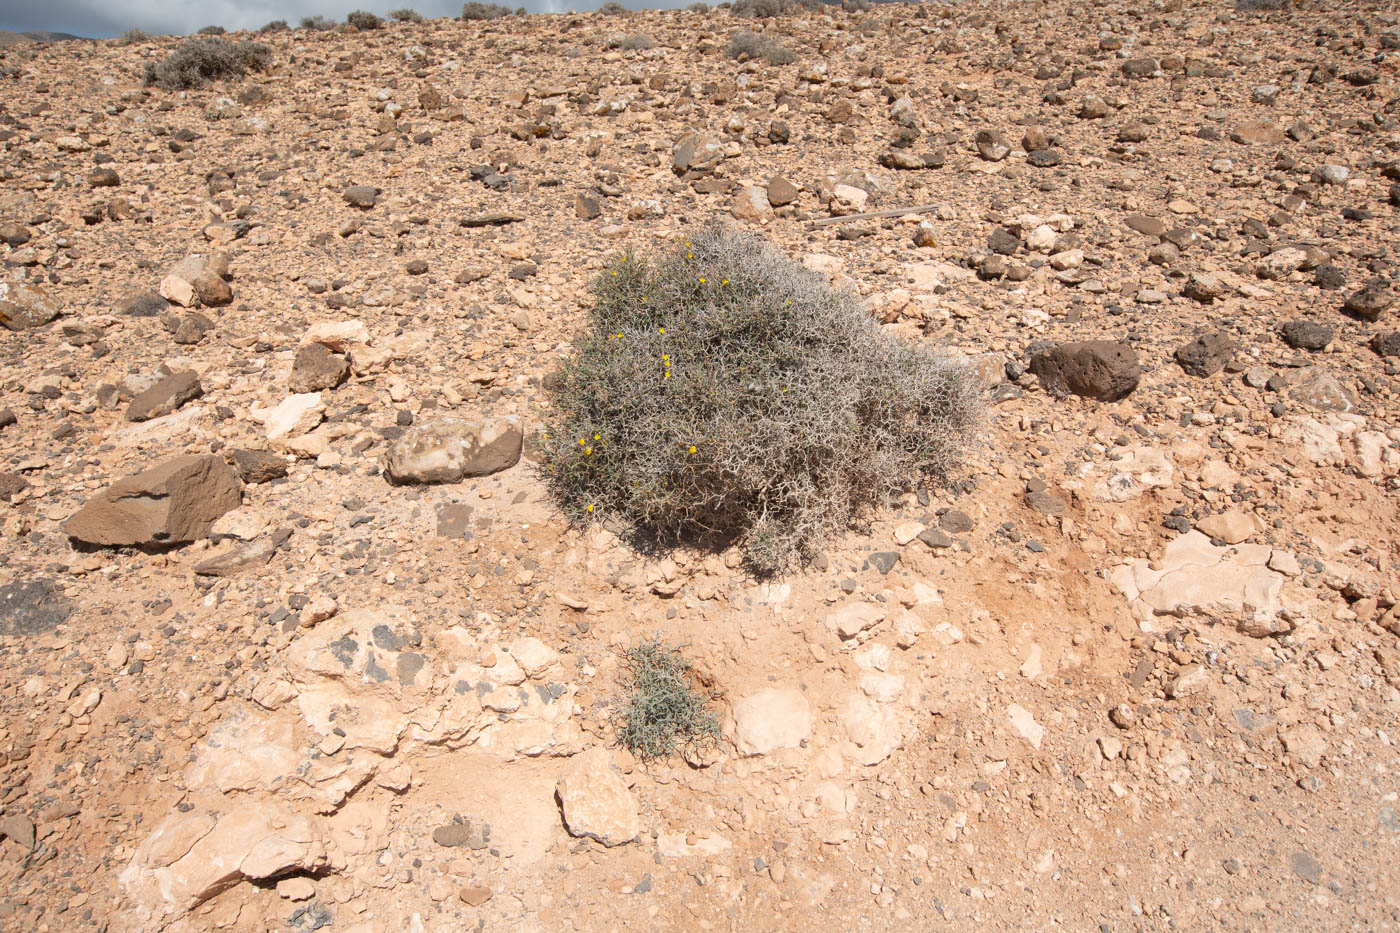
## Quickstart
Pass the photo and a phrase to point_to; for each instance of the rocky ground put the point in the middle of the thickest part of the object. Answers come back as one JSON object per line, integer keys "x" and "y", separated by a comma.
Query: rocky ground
{"x": 1136, "y": 670}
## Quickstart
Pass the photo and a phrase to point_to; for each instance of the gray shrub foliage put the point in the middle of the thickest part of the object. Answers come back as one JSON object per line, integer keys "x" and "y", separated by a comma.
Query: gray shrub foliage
{"x": 724, "y": 394}
{"x": 202, "y": 59}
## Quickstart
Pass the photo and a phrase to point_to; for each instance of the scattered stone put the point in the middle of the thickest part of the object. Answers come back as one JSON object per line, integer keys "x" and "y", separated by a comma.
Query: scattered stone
{"x": 258, "y": 466}
{"x": 1371, "y": 301}
{"x": 361, "y": 196}
{"x": 165, "y": 397}
{"x": 197, "y": 278}
{"x": 1099, "y": 369}
{"x": 1307, "y": 334}
{"x": 1321, "y": 390}
{"x": 294, "y": 416}
{"x": 1206, "y": 355}
{"x": 1232, "y": 527}
{"x": 991, "y": 145}
{"x": 474, "y": 895}
{"x": 595, "y": 800}
{"x": 24, "y": 306}
{"x": 781, "y": 192}
{"x": 448, "y": 450}
{"x": 32, "y": 607}
{"x": 174, "y": 502}
{"x": 771, "y": 719}
{"x": 316, "y": 368}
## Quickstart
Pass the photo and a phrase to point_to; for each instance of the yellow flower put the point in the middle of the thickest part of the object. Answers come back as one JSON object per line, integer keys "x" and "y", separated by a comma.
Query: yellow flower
{"x": 689, "y": 255}
{"x": 597, "y": 437}
{"x": 590, "y": 506}
{"x": 587, "y": 451}
{"x": 661, "y": 330}
{"x": 702, "y": 280}
{"x": 725, "y": 282}
{"x": 665, "y": 356}
{"x": 692, "y": 448}
{"x": 580, "y": 440}
{"x": 666, "y": 375}
{"x": 614, "y": 272}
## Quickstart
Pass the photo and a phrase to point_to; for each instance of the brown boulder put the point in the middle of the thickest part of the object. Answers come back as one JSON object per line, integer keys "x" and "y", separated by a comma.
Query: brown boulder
{"x": 175, "y": 501}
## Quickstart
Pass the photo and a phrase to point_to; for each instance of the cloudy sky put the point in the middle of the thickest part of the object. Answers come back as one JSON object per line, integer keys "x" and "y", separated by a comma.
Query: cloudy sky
{"x": 100, "y": 19}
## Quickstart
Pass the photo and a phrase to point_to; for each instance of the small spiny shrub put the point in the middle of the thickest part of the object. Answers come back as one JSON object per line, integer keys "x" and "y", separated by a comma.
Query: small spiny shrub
{"x": 744, "y": 42}
{"x": 406, "y": 16}
{"x": 612, "y": 8}
{"x": 133, "y": 37}
{"x": 666, "y": 712}
{"x": 637, "y": 42}
{"x": 317, "y": 23}
{"x": 276, "y": 25}
{"x": 724, "y": 394}
{"x": 364, "y": 20}
{"x": 211, "y": 31}
{"x": 199, "y": 60}
{"x": 478, "y": 11}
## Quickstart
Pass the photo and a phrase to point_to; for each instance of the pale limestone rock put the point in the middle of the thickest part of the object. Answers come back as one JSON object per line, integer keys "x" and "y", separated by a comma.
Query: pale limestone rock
{"x": 1195, "y": 578}
{"x": 874, "y": 730}
{"x": 1232, "y": 526}
{"x": 295, "y": 415}
{"x": 596, "y": 801}
{"x": 1025, "y": 725}
{"x": 850, "y": 620}
{"x": 771, "y": 719}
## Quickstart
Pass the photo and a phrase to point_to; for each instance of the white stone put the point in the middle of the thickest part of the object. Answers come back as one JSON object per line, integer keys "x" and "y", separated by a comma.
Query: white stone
{"x": 771, "y": 719}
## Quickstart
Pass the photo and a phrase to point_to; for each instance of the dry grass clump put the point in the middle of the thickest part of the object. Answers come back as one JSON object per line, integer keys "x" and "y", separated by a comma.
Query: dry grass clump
{"x": 725, "y": 394}
{"x": 202, "y": 59}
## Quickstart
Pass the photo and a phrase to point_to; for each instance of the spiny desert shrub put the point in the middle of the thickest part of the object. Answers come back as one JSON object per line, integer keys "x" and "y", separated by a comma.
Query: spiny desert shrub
{"x": 133, "y": 36}
{"x": 724, "y": 394}
{"x": 637, "y": 42}
{"x": 406, "y": 16}
{"x": 698, "y": 8}
{"x": 1262, "y": 6}
{"x": 363, "y": 20}
{"x": 212, "y": 31}
{"x": 476, "y": 11}
{"x": 317, "y": 23}
{"x": 744, "y": 42}
{"x": 667, "y": 711}
{"x": 759, "y": 9}
{"x": 276, "y": 25}
{"x": 202, "y": 59}
{"x": 612, "y": 8}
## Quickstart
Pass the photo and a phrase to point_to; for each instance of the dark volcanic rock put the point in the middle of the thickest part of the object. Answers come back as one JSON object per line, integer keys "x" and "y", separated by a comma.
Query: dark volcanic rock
{"x": 1098, "y": 369}
{"x": 1304, "y": 334}
{"x": 1206, "y": 355}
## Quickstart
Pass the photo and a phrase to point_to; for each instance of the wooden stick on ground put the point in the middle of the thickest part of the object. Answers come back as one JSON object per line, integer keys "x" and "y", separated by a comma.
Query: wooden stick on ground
{"x": 893, "y": 212}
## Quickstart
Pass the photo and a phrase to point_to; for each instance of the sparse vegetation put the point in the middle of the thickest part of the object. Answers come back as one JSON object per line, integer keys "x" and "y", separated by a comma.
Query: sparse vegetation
{"x": 698, "y": 8}
{"x": 317, "y": 23}
{"x": 363, "y": 20}
{"x": 725, "y": 394}
{"x": 406, "y": 16}
{"x": 667, "y": 711}
{"x": 133, "y": 36}
{"x": 1262, "y": 6}
{"x": 637, "y": 42}
{"x": 276, "y": 25}
{"x": 759, "y": 9}
{"x": 211, "y": 31}
{"x": 746, "y": 43}
{"x": 479, "y": 11}
{"x": 202, "y": 59}
{"x": 612, "y": 8}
